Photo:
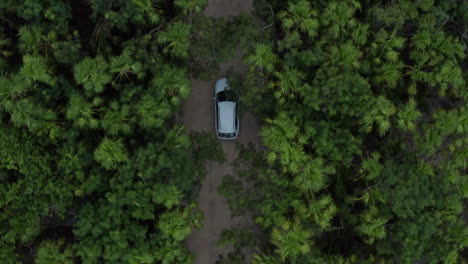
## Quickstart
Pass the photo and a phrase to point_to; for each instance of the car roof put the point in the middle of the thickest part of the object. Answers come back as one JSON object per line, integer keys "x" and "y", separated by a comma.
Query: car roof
{"x": 226, "y": 117}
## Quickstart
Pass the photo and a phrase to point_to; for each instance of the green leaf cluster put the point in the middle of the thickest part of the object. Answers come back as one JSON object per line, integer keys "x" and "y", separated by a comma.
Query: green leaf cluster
{"x": 93, "y": 166}
{"x": 363, "y": 108}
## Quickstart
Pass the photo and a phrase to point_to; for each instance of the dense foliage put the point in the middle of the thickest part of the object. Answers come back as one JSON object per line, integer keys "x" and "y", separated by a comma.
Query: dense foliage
{"x": 365, "y": 124}
{"x": 93, "y": 165}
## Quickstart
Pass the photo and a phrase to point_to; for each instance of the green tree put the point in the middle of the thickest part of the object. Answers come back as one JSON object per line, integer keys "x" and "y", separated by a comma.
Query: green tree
{"x": 51, "y": 252}
{"x": 300, "y": 16}
{"x": 35, "y": 69}
{"x": 93, "y": 74}
{"x": 5, "y": 52}
{"x": 117, "y": 119}
{"x": 81, "y": 112}
{"x": 175, "y": 39}
{"x": 362, "y": 114}
{"x": 88, "y": 138}
{"x": 190, "y": 7}
{"x": 263, "y": 58}
{"x": 291, "y": 241}
{"x": 110, "y": 153}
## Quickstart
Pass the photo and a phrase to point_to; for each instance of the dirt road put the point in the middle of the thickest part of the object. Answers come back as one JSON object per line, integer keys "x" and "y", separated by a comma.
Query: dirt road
{"x": 198, "y": 116}
{"x": 225, "y": 8}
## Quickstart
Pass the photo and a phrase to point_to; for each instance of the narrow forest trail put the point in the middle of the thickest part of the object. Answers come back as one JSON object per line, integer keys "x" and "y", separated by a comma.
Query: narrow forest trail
{"x": 198, "y": 116}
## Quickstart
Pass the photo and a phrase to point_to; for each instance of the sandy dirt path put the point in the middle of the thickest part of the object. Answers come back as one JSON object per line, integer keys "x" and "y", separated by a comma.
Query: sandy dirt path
{"x": 198, "y": 116}
{"x": 225, "y": 8}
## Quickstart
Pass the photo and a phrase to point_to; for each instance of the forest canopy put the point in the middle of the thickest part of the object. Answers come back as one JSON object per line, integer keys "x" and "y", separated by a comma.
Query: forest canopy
{"x": 363, "y": 118}
{"x": 94, "y": 167}
{"x": 365, "y": 124}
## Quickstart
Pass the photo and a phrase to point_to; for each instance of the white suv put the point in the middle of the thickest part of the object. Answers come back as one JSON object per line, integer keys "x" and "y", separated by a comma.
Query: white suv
{"x": 226, "y": 117}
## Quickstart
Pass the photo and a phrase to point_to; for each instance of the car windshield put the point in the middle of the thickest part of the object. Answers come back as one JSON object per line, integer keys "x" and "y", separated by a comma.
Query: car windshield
{"x": 227, "y": 96}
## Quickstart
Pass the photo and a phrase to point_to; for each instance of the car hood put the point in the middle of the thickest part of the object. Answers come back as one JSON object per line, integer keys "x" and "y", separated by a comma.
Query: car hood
{"x": 226, "y": 117}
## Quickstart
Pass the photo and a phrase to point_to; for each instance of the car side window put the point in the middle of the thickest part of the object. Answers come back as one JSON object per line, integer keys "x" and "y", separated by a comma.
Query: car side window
{"x": 217, "y": 115}
{"x": 237, "y": 117}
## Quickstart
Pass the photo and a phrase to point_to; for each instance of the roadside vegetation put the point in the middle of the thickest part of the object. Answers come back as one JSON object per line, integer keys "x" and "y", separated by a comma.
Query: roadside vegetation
{"x": 365, "y": 124}
{"x": 94, "y": 167}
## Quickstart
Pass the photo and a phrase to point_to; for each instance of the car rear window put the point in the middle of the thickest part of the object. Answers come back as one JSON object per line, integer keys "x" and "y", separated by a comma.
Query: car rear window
{"x": 227, "y": 96}
{"x": 227, "y": 135}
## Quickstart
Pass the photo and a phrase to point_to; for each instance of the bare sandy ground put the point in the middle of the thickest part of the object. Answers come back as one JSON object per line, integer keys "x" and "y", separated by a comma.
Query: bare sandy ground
{"x": 225, "y": 8}
{"x": 198, "y": 116}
